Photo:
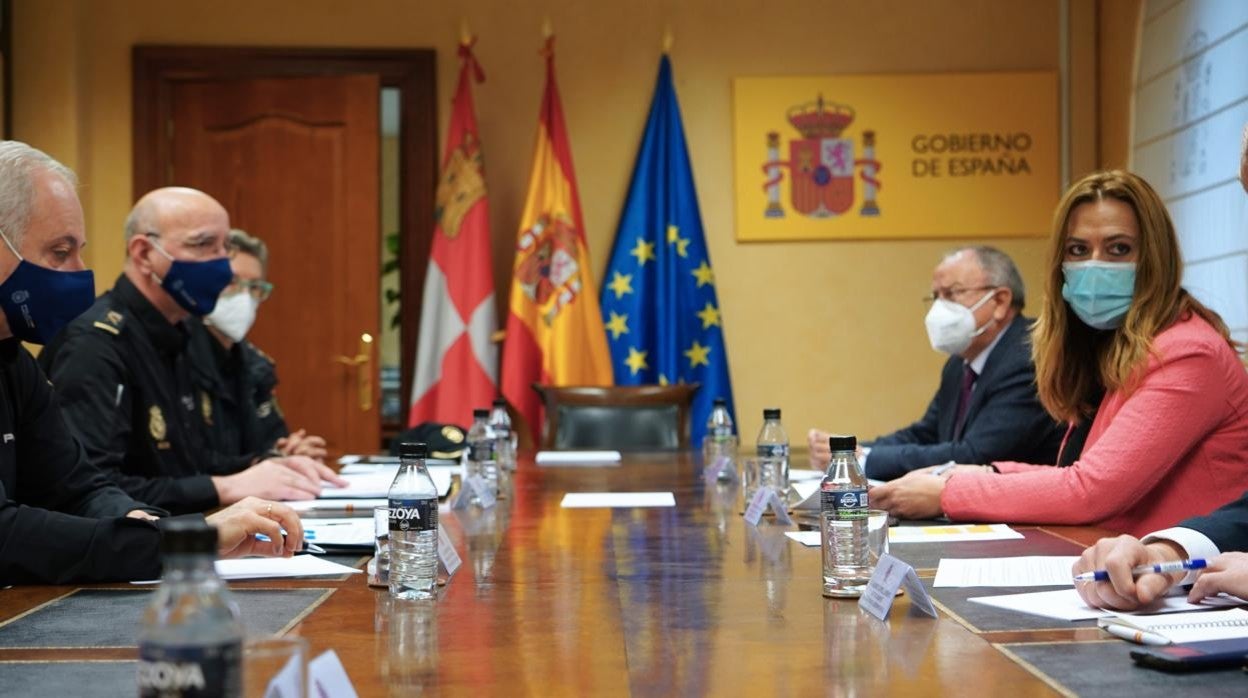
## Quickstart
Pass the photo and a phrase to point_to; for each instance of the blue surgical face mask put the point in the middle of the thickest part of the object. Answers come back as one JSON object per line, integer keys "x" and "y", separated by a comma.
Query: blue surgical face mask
{"x": 195, "y": 285}
{"x": 1100, "y": 293}
{"x": 39, "y": 301}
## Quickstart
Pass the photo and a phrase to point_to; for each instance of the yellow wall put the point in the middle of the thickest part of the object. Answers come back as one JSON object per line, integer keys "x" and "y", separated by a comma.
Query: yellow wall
{"x": 831, "y": 332}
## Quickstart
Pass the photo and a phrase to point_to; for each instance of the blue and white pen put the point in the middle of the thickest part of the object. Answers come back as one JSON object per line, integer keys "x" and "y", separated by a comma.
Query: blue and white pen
{"x": 1159, "y": 568}
{"x": 307, "y": 547}
{"x": 944, "y": 468}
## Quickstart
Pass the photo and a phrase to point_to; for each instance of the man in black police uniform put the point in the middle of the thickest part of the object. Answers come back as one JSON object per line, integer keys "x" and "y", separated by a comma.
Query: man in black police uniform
{"x": 234, "y": 378}
{"x": 60, "y": 518}
{"x": 122, "y": 373}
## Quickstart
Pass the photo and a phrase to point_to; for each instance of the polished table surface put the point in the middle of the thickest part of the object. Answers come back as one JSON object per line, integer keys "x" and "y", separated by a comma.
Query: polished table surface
{"x": 688, "y": 600}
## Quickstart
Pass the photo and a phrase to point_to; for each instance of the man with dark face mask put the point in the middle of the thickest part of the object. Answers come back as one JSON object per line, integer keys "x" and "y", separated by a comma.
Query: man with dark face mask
{"x": 61, "y": 520}
{"x": 122, "y": 369}
{"x": 986, "y": 407}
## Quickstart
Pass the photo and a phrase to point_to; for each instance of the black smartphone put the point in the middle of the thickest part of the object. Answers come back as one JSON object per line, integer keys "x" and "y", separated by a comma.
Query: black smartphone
{"x": 1194, "y": 656}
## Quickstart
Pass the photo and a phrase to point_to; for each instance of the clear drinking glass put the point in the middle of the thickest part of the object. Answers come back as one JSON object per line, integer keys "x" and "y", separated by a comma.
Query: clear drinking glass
{"x": 275, "y": 666}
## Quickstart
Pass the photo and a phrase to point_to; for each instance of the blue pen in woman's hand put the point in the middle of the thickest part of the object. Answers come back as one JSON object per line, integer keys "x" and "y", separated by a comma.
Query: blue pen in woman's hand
{"x": 1157, "y": 568}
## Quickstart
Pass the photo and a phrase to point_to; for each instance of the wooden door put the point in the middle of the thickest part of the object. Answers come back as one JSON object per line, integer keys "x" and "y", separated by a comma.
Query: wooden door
{"x": 295, "y": 161}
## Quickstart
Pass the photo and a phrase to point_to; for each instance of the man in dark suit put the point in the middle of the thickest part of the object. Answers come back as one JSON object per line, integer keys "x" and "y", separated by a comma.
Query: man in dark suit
{"x": 986, "y": 407}
{"x": 1201, "y": 537}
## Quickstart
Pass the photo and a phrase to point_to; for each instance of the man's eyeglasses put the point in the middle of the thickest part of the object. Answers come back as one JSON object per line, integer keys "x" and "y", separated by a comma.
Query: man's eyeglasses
{"x": 199, "y": 246}
{"x": 952, "y": 294}
{"x": 258, "y": 288}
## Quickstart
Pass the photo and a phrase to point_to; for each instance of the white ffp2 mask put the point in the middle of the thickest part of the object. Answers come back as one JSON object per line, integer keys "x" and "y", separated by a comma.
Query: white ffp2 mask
{"x": 951, "y": 326}
{"x": 234, "y": 315}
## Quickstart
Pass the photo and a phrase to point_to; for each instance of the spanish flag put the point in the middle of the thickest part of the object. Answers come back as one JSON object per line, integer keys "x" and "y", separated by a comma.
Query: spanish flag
{"x": 554, "y": 330}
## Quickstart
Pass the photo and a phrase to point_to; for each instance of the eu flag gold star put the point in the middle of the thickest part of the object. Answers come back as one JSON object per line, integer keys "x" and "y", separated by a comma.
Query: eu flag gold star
{"x": 709, "y": 315}
{"x": 621, "y": 284}
{"x": 698, "y": 355}
{"x": 636, "y": 360}
{"x": 704, "y": 274}
{"x": 618, "y": 325}
{"x": 682, "y": 244}
{"x": 642, "y": 251}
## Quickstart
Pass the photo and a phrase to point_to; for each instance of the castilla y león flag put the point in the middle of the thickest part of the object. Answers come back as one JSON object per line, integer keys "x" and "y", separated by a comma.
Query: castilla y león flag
{"x": 456, "y": 362}
{"x": 554, "y": 330}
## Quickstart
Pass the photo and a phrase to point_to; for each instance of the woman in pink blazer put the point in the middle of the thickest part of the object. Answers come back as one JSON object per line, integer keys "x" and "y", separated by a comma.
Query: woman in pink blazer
{"x": 1119, "y": 336}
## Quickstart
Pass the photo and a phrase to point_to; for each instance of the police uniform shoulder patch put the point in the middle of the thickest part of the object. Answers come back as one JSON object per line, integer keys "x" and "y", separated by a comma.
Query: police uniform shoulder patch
{"x": 111, "y": 322}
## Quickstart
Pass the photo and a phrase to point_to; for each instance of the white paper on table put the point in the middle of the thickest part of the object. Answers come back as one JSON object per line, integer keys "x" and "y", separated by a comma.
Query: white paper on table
{"x": 346, "y": 532}
{"x": 364, "y": 464}
{"x": 810, "y": 539}
{"x": 577, "y": 457}
{"x": 275, "y": 567}
{"x": 327, "y": 677}
{"x": 953, "y": 533}
{"x": 376, "y": 481}
{"x": 358, "y": 507}
{"x": 1029, "y": 571}
{"x": 1065, "y": 604}
{"x": 874, "y": 483}
{"x": 803, "y": 474}
{"x": 616, "y": 500}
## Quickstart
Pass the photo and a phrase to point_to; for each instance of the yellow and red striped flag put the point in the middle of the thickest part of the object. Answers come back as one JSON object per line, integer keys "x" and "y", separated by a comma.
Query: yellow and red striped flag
{"x": 554, "y": 330}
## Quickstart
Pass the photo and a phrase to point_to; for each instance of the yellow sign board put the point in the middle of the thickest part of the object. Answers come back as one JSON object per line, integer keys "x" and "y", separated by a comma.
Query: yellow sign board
{"x": 895, "y": 156}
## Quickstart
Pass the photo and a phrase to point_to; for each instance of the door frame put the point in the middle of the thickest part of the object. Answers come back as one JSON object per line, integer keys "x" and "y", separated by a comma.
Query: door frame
{"x": 157, "y": 67}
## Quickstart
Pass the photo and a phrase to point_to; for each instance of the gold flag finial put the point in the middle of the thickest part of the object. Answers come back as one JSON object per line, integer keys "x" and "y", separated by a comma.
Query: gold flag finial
{"x": 465, "y": 32}
{"x": 668, "y": 39}
{"x": 548, "y": 30}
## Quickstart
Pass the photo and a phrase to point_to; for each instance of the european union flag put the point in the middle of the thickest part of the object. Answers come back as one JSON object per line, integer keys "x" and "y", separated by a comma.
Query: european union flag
{"x": 658, "y": 296}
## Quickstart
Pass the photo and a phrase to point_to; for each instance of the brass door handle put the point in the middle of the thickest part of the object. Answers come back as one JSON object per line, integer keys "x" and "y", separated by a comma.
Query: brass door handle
{"x": 363, "y": 378}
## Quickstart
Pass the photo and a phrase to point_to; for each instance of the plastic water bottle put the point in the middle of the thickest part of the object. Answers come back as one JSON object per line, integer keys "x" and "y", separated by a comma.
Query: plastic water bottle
{"x": 413, "y": 526}
{"x": 721, "y": 439}
{"x": 773, "y": 454}
{"x": 482, "y": 457}
{"x": 843, "y": 519}
{"x": 500, "y": 422}
{"x": 191, "y": 642}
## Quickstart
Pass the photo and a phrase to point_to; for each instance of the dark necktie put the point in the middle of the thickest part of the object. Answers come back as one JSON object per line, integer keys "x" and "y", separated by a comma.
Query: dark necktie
{"x": 964, "y": 399}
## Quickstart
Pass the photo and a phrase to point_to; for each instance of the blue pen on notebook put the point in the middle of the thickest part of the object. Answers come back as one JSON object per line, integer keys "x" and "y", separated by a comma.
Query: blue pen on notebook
{"x": 308, "y": 547}
{"x": 1159, "y": 568}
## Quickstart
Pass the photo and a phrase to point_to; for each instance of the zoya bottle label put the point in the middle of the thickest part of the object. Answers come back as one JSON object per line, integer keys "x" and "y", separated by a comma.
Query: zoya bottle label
{"x": 846, "y": 503}
{"x": 481, "y": 452}
{"x": 190, "y": 671}
{"x": 773, "y": 451}
{"x": 413, "y": 514}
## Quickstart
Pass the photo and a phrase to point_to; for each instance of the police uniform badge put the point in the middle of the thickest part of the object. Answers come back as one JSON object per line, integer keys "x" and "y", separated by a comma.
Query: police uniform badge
{"x": 205, "y": 407}
{"x": 264, "y": 409}
{"x": 156, "y": 423}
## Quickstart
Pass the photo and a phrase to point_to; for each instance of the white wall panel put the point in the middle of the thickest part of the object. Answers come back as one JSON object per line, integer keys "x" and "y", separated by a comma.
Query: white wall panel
{"x": 1198, "y": 157}
{"x": 1192, "y": 90}
{"x": 1173, "y": 35}
{"x": 1212, "y": 223}
{"x": 1221, "y": 284}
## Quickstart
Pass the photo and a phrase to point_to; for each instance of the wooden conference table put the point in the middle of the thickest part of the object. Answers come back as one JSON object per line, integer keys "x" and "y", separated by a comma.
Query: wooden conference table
{"x": 683, "y": 601}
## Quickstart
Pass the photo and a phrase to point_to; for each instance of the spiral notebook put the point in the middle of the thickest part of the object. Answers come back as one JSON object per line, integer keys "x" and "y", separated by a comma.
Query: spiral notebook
{"x": 1196, "y": 626}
